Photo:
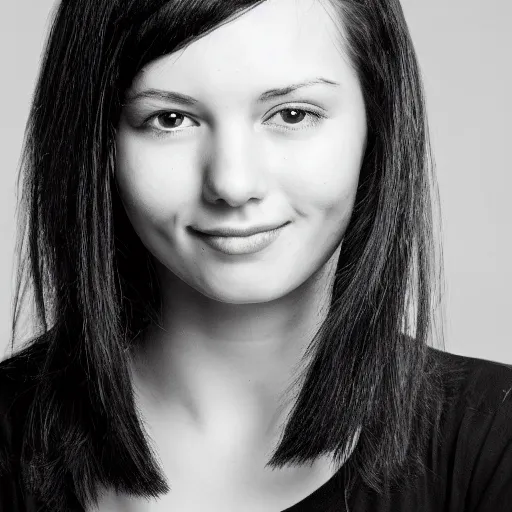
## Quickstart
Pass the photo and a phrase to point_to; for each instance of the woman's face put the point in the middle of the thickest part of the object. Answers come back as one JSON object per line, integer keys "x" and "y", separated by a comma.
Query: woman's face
{"x": 218, "y": 135}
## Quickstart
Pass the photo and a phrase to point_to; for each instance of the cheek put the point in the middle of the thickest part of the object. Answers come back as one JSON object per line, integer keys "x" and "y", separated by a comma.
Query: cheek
{"x": 324, "y": 174}
{"x": 150, "y": 182}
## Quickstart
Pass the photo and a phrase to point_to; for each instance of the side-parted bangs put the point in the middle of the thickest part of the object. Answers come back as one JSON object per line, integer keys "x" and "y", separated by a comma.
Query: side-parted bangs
{"x": 168, "y": 26}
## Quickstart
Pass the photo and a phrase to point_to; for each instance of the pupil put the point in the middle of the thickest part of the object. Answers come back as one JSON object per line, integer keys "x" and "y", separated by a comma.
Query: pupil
{"x": 292, "y": 115}
{"x": 171, "y": 120}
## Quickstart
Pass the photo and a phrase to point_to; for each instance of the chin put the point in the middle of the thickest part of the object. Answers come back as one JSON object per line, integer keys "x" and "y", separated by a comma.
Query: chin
{"x": 245, "y": 293}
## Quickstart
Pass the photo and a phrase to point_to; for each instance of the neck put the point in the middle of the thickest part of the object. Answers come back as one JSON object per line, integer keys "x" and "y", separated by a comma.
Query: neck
{"x": 228, "y": 368}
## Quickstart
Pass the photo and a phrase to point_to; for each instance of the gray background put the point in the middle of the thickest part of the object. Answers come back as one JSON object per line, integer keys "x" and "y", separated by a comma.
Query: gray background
{"x": 464, "y": 52}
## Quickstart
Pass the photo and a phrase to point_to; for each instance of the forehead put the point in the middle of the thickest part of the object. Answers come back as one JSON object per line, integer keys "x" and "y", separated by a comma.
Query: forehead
{"x": 277, "y": 42}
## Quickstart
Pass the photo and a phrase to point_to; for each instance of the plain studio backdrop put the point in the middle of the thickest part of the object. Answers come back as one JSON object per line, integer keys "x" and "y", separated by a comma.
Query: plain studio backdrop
{"x": 463, "y": 48}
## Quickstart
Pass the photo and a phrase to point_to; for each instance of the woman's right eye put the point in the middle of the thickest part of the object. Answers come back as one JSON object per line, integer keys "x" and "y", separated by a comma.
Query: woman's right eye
{"x": 167, "y": 121}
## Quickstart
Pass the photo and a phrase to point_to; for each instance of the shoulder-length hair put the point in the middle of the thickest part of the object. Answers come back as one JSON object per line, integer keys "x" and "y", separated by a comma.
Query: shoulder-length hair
{"x": 95, "y": 287}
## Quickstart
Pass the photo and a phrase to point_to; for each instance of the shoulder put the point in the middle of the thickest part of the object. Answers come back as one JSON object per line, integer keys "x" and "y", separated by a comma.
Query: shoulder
{"x": 476, "y": 384}
{"x": 474, "y": 449}
{"x": 18, "y": 378}
{"x": 18, "y": 375}
{"x": 478, "y": 401}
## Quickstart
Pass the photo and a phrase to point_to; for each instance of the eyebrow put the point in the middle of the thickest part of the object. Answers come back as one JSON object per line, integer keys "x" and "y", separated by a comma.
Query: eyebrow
{"x": 184, "y": 99}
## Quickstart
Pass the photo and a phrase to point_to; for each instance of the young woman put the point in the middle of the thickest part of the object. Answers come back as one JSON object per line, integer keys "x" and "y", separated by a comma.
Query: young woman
{"x": 230, "y": 211}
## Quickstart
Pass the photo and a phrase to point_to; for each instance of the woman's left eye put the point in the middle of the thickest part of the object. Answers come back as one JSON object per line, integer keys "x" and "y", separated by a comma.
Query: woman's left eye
{"x": 295, "y": 116}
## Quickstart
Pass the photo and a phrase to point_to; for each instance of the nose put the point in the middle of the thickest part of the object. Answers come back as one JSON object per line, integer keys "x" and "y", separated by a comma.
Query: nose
{"x": 233, "y": 167}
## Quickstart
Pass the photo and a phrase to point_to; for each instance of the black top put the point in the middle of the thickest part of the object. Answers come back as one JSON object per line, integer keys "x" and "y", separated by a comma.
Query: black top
{"x": 469, "y": 468}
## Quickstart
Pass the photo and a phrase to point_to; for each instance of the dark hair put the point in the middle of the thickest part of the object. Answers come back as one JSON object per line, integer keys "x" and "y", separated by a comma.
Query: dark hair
{"x": 95, "y": 286}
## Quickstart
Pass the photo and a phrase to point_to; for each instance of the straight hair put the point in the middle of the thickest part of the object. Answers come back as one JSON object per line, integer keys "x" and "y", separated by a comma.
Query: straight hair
{"x": 368, "y": 375}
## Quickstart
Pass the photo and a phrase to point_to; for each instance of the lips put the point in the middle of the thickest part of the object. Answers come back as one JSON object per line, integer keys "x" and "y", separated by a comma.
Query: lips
{"x": 240, "y": 244}
{"x": 238, "y": 231}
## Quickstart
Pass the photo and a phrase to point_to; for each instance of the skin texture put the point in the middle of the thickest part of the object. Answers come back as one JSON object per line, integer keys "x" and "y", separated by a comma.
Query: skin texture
{"x": 235, "y": 327}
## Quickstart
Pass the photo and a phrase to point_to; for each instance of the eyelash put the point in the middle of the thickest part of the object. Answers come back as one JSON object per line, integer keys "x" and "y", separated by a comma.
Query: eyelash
{"x": 316, "y": 118}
